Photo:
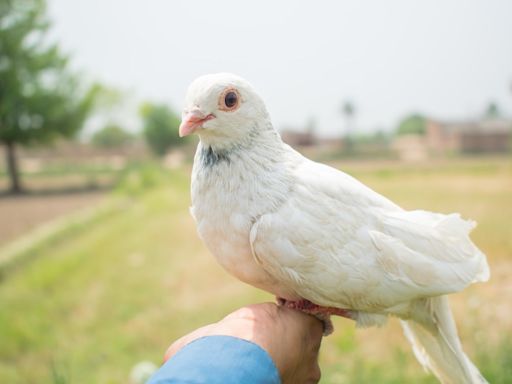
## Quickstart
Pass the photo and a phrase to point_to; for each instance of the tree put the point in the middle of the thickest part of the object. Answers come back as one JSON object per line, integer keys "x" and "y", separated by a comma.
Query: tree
{"x": 111, "y": 136}
{"x": 39, "y": 99}
{"x": 493, "y": 111}
{"x": 412, "y": 125}
{"x": 349, "y": 111}
{"x": 161, "y": 127}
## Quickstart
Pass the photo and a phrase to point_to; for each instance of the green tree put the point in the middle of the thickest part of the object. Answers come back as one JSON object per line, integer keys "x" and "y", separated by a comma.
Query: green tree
{"x": 40, "y": 99}
{"x": 161, "y": 127}
{"x": 111, "y": 136}
{"x": 348, "y": 110}
{"x": 492, "y": 111}
{"x": 413, "y": 124}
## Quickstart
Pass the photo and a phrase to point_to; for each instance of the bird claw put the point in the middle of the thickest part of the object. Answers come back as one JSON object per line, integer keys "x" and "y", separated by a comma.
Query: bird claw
{"x": 321, "y": 313}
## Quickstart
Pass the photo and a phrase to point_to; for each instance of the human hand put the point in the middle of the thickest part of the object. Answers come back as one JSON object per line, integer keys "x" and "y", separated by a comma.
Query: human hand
{"x": 291, "y": 338}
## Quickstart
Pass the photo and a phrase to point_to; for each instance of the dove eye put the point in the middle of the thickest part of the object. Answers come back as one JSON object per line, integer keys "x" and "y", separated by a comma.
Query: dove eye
{"x": 229, "y": 100}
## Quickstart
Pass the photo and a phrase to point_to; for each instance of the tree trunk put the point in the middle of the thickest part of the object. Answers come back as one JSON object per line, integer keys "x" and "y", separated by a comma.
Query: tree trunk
{"x": 12, "y": 168}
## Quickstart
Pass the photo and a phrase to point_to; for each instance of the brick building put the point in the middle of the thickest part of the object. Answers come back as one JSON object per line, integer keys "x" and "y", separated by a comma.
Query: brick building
{"x": 491, "y": 135}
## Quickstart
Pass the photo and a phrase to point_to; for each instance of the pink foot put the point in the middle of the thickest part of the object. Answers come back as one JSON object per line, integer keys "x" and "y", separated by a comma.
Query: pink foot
{"x": 322, "y": 313}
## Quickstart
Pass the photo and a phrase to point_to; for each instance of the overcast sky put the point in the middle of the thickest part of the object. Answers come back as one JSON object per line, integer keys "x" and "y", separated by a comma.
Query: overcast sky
{"x": 445, "y": 58}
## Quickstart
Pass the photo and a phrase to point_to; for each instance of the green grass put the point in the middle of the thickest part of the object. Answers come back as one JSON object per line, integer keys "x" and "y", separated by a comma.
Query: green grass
{"x": 66, "y": 176}
{"x": 65, "y": 168}
{"x": 91, "y": 304}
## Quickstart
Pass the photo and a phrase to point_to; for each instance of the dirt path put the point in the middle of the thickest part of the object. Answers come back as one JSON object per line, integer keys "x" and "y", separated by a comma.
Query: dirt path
{"x": 19, "y": 215}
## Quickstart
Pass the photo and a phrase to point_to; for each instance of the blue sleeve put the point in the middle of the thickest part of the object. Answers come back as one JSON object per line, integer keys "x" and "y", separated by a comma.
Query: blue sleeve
{"x": 218, "y": 360}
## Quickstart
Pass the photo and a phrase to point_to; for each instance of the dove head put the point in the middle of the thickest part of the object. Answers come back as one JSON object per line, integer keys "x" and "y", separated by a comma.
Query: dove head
{"x": 224, "y": 110}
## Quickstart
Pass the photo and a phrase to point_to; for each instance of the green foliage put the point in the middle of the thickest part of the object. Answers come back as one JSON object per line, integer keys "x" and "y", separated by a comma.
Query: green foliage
{"x": 138, "y": 178}
{"x": 492, "y": 111}
{"x": 39, "y": 98}
{"x": 376, "y": 138}
{"x": 161, "y": 126}
{"x": 348, "y": 109}
{"x": 495, "y": 362}
{"x": 412, "y": 125}
{"x": 111, "y": 136}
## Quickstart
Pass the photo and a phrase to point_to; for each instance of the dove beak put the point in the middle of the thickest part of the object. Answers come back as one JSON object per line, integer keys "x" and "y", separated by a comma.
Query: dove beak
{"x": 192, "y": 121}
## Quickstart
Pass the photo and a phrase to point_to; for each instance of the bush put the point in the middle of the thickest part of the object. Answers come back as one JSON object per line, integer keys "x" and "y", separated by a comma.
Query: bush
{"x": 161, "y": 127}
{"x": 111, "y": 136}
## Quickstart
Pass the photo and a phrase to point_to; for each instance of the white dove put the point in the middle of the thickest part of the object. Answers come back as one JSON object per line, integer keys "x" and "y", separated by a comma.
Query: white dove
{"x": 317, "y": 238}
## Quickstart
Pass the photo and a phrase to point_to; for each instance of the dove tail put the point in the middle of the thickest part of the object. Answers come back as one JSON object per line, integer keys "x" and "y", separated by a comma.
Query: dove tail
{"x": 437, "y": 346}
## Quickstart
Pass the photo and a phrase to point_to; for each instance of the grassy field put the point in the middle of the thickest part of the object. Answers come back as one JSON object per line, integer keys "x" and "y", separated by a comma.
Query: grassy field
{"x": 64, "y": 177}
{"x": 90, "y": 305}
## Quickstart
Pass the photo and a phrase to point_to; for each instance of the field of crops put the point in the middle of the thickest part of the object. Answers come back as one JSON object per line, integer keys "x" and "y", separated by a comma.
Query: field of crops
{"x": 86, "y": 306}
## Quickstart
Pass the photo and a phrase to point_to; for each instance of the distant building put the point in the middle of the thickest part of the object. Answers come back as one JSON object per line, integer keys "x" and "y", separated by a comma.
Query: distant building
{"x": 492, "y": 135}
{"x": 410, "y": 147}
{"x": 485, "y": 136}
{"x": 298, "y": 139}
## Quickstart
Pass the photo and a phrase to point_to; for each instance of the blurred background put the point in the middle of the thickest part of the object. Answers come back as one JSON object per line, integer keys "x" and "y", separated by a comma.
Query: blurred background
{"x": 100, "y": 264}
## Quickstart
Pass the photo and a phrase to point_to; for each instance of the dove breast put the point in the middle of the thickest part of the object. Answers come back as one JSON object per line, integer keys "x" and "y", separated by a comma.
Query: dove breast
{"x": 228, "y": 195}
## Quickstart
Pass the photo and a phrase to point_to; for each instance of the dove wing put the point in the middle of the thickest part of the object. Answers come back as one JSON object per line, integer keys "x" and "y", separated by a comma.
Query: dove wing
{"x": 338, "y": 243}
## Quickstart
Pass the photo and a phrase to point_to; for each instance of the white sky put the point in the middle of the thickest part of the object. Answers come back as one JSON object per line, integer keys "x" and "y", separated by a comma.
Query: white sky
{"x": 445, "y": 58}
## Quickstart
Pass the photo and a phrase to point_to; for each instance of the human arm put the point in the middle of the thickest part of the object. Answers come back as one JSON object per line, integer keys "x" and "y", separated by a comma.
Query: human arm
{"x": 272, "y": 341}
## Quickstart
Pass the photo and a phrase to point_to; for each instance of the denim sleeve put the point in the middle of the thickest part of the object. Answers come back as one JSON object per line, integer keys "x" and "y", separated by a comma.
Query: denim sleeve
{"x": 218, "y": 360}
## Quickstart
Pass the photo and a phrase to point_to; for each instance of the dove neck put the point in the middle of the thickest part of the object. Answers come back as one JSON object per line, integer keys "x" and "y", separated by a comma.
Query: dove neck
{"x": 261, "y": 135}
